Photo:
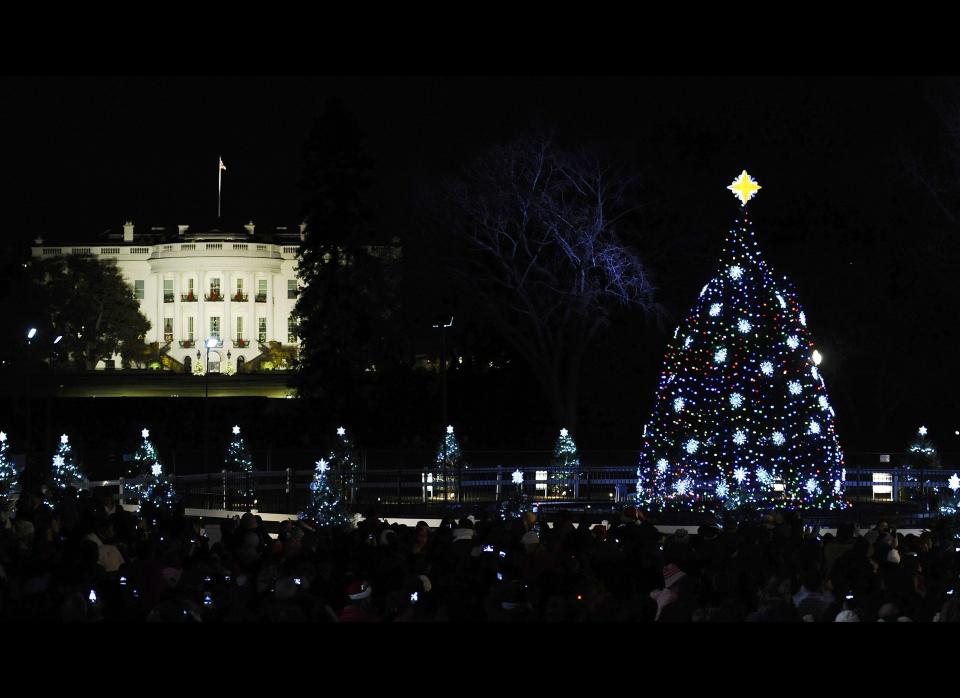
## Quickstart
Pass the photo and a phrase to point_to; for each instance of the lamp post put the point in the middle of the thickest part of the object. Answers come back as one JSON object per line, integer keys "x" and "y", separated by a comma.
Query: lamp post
{"x": 210, "y": 344}
{"x": 443, "y": 390}
{"x": 31, "y": 333}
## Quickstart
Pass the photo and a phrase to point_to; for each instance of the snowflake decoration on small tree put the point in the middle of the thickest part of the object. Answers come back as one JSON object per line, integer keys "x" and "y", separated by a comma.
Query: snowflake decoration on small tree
{"x": 740, "y": 474}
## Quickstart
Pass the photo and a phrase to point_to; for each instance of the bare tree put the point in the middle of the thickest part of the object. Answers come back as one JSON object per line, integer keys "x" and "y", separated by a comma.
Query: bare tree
{"x": 544, "y": 256}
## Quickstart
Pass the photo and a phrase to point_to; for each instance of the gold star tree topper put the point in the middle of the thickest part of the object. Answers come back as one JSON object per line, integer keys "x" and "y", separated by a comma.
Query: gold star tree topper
{"x": 744, "y": 187}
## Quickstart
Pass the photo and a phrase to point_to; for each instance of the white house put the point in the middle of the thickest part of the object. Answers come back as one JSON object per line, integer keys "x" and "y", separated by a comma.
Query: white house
{"x": 238, "y": 288}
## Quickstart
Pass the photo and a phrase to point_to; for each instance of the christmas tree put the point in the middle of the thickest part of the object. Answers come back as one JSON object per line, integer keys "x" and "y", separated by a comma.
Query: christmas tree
{"x": 239, "y": 458}
{"x": 326, "y": 507}
{"x": 345, "y": 464}
{"x": 922, "y": 454}
{"x": 950, "y": 496}
{"x": 8, "y": 471}
{"x": 515, "y": 503}
{"x": 447, "y": 465}
{"x": 157, "y": 488}
{"x": 238, "y": 455}
{"x": 742, "y": 416}
{"x": 566, "y": 464}
{"x": 64, "y": 472}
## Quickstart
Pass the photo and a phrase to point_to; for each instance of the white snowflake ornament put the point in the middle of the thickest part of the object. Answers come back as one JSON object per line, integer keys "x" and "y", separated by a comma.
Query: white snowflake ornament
{"x": 236, "y": 429}
{"x": 64, "y": 439}
{"x": 156, "y": 469}
{"x": 145, "y": 433}
{"x": 740, "y": 474}
{"x": 517, "y": 477}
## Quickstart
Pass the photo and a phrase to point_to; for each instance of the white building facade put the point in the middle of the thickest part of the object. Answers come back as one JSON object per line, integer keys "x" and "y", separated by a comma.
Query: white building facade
{"x": 237, "y": 289}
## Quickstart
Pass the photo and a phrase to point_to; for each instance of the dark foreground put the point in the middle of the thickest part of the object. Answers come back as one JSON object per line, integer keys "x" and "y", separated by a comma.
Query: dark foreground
{"x": 91, "y": 561}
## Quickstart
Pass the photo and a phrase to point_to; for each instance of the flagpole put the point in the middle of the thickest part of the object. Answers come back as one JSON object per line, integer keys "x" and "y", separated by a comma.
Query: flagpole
{"x": 219, "y": 181}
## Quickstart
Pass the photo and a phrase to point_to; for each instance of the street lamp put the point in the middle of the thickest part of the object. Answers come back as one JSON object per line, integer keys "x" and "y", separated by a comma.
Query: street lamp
{"x": 443, "y": 390}
{"x": 210, "y": 344}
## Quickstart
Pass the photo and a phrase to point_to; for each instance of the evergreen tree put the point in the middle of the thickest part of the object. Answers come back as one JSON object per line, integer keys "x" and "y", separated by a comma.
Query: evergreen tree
{"x": 345, "y": 306}
{"x": 238, "y": 455}
{"x": 240, "y": 459}
{"x": 566, "y": 464}
{"x": 447, "y": 466}
{"x": 922, "y": 454}
{"x": 741, "y": 416}
{"x": 8, "y": 471}
{"x": 64, "y": 472}
{"x": 515, "y": 503}
{"x": 345, "y": 464}
{"x": 157, "y": 490}
{"x": 326, "y": 507}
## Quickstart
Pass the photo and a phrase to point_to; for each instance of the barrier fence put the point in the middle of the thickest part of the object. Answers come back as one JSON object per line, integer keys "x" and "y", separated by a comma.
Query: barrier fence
{"x": 288, "y": 491}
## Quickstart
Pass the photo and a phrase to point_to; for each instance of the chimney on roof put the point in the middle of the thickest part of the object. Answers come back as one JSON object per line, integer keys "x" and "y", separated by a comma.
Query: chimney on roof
{"x": 303, "y": 230}
{"x": 38, "y": 240}
{"x": 181, "y": 229}
{"x": 249, "y": 227}
{"x": 128, "y": 231}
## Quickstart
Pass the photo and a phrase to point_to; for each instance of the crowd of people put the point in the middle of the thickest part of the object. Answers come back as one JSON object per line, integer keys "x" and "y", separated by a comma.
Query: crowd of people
{"x": 88, "y": 559}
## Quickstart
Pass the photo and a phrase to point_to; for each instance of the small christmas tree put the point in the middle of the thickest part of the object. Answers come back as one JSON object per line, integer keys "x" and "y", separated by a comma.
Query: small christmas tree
{"x": 950, "y": 496}
{"x": 64, "y": 472}
{"x": 345, "y": 463}
{"x": 326, "y": 507}
{"x": 8, "y": 471}
{"x": 198, "y": 367}
{"x": 566, "y": 464}
{"x": 515, "y": 504}
{"x": 239, "y": 458}
{"x": 157, "y": 490}
{"x": 922, "y": 454}
{"x": 238, "y": 455}
{"x": 447, "y": 465}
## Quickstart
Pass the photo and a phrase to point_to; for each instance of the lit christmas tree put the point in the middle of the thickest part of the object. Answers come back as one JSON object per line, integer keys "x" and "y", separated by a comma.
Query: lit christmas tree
{"x": 326, "y": 507}
{"x": 566, "y": 463}
{"x": 345, "y": 463}
{"x": 515, "y": 504}
{"x": 239, "y": 458}
{"x": 238, "y": 455}
{"x": 64, "y": 472}
{"x": 922, "y": 454}
{"x": 742, "y": 416}
{"x": 8, "y": 471}
{"x": 157, "y": 489}
{"x": 447, "y": 465}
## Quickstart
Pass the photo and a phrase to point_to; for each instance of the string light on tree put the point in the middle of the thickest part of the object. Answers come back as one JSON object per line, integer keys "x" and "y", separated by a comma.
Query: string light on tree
{"x": 748, "y": 323}
{"x": 325, "y": 507}
{"x": 8, "y": 471}
{"x": 64, "y": 472}
{"x": 156, "y": 491}
{"x": 566, "y": 464}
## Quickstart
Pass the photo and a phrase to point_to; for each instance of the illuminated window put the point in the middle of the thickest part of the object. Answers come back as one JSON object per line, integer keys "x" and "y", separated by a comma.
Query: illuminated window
{"x": 291, "y": 330}
{"x": 168, "y": 290}
{"x": 168, "y": 329}
{"x": 262, "y": 330}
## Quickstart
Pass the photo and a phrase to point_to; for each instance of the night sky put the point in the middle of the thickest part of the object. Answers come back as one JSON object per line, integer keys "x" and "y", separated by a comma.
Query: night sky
{"x": 843, "y": 212}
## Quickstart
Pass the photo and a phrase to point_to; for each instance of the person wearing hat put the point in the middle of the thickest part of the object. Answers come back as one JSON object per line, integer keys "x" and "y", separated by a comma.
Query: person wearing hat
{"x": 359, "y": 609}
{"x": 668, "y": 594}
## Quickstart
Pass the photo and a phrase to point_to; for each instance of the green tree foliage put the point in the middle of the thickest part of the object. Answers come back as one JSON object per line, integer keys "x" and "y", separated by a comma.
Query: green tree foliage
{"x": 89, "y": 303}
{"x": 566, "y": 463}
{"x": 922, "y": 454}
{"x": 64, "y": 472}
{"x": 8, "y": 472}
{"x": 345, "y": 305}
{"x": 346, "y": 465}
{"x": 326, "y": 506}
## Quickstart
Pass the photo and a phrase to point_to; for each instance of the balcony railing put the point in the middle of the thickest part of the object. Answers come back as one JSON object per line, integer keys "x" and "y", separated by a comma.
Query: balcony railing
{"x": 168, "y": 298}
{"x": 239, "y": 297}
{"x": 187, "y": 343}
{"x": 241, "y": 343}
{"x": 213, "y": 296}
{"x": 260, "y": 298}
{"x": 188, "y": 298}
